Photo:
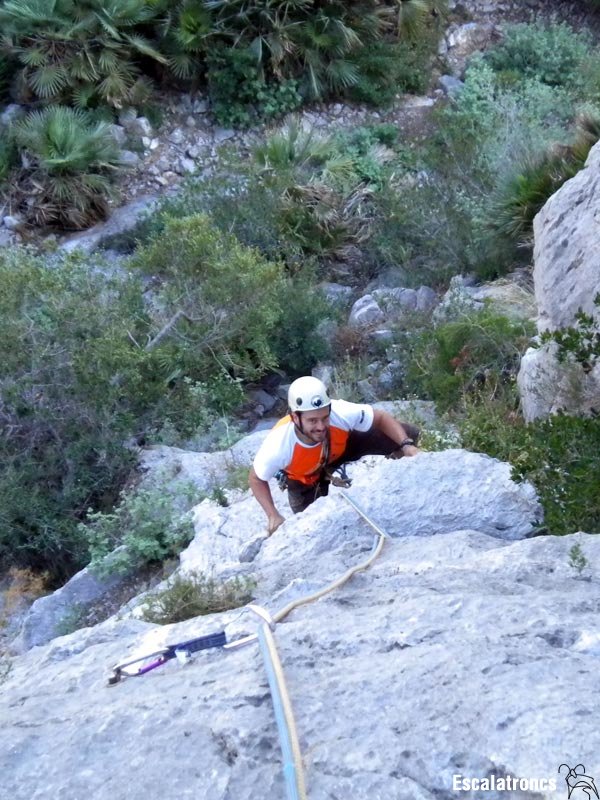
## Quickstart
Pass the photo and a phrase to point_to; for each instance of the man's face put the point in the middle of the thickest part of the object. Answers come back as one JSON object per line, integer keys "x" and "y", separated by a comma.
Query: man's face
{"x": 313, "y": 424}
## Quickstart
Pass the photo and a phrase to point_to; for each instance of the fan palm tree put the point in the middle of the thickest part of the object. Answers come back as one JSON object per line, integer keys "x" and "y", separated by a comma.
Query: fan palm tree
{"x": 70, "y": 161}
{"x": 83, "y": 52}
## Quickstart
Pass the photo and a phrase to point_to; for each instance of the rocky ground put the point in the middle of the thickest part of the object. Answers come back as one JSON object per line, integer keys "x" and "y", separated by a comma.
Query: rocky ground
{"x": 464, "y": 650}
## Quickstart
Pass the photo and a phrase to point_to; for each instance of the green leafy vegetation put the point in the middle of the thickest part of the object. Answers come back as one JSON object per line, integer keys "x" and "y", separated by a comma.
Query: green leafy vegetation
{"x": 206, "y": 278}
{"x": 475, "y": 352}
{"x": 559, "y": 455}
{"x": 579, "y": 342}
{"x": 88, "y": 369}
{"x": 148, "y": 525}
{"x": 577, "y": 559}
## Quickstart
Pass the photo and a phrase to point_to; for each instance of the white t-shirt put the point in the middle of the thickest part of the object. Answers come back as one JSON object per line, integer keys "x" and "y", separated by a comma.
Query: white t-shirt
{"x": 282, "y": 446}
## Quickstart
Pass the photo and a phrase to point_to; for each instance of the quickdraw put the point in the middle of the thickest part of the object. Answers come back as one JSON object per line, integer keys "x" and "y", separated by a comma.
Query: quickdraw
{"x": 181, "y": 651}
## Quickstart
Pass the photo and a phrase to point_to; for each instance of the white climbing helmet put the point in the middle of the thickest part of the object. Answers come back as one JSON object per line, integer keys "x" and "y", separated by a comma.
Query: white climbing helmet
{"x": 308, "y": 394}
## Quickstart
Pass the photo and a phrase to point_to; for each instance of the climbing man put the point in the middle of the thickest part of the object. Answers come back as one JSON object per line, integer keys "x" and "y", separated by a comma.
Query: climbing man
{"x": 316, "y": 438}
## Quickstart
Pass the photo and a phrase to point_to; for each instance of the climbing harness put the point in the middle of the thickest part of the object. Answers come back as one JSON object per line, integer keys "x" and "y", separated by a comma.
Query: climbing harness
{"x": 282, "y": 480}
{"x": 338, "y": 477}
{"x": 288, "y": 736}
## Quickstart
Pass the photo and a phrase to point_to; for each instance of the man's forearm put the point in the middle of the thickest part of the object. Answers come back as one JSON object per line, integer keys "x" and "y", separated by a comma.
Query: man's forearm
{"x": 387, "y": 424}
{"x": 262, "y": 492}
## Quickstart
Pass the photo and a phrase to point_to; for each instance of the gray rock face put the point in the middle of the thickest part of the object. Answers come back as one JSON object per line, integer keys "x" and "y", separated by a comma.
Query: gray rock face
{"x": 459, "y": 654}
{"x": 567, "y": 249}
{"x": 450, "y": 85}
{"x": 566, "y": 255}
{"x": 462, "y": 41}
{"x": 508, "y": 296}
{"x": 46, "y": 615}
{"x": 433, "y": 494}
{"x": 123, "y": 219}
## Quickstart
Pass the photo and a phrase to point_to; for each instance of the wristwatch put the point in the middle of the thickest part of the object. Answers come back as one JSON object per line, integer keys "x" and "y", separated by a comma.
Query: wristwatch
{"x": 405, "y": 443}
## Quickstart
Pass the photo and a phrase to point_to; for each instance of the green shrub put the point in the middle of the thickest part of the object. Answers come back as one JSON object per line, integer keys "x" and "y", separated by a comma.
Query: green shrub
{"x": 559, "y": 455}
{"x": 532, "y": 181}
{"x": 459, "y": 357}
{"x": 239, "y": 92}
{"x": 72, "y": 161}
{"x": 80, "y": 385}
{"x": 552, "y": 54}
{"x": 579, "y": 342}
{"x": 386, "y": 69}
{"x": 457, "y": 218}
{"x": 148, "y": 525}
{"x": 193, "y": 594}
{"x": 206, "y": 279}
{"x": 297, "y": 343}
{"x": 292, "y": 148}
{"x": 82, "y": 55}
{"x": 71, "y": 383}
{"x": 8, "y": 157}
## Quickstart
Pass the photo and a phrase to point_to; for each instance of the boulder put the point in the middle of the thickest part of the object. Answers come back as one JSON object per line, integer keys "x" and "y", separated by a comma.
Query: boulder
{"x": 547, "y": 385}
{"x": 510, "y": 296}
{"x": 49, "y": 615}
{"x": 122, "y": 220}
{"x": 365, "y": 312}
{"x": 462, "y": 41}
{"x": 450, "y": 85}
{"x": 565, "y": 274}
{"x": 567, "y": 249}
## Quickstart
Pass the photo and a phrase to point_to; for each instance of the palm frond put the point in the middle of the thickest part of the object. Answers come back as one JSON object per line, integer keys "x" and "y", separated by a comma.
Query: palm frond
{"x": 34, "y": 57}
{"x": 143, "y": 46}
{"x": 342, "y": 74}
{"x": 48, "y": 81}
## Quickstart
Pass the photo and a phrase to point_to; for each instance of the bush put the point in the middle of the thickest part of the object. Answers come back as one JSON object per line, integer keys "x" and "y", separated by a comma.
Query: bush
{"x": 459, "y": 357}
{"x": 297, "y": 343}
{"x": 451, "y": 218}
{"x": 86, "y": 371}
{"x": 551, "y": 54}
{"x": 84, "y": 57}
{"x": 148, "y": 525}
{"x": 72, "y": 161}
{"x": 534, "y": 180}
{"x": 206, "y": 278}
{"x": 239, "y": 92}
{"x": 559, "y": 455}
{"x": 71, "y": 384}
{"x": 386, "y": 69}
{"x": 192, "y": 595}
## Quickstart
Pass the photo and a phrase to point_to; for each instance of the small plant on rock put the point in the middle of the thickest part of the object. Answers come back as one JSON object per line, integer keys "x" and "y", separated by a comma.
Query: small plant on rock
{"x": 193, "y": 594}
{"x": 577, "y": 559}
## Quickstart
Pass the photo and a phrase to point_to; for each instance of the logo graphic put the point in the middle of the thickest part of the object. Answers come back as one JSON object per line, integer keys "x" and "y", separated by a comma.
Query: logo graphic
{"x": 577, "y": 779}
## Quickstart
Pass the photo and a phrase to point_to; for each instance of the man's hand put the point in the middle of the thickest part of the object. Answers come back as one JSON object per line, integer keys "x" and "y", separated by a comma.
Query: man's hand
{"x": 274, "y": 521}
{"x": 407, "y": 450}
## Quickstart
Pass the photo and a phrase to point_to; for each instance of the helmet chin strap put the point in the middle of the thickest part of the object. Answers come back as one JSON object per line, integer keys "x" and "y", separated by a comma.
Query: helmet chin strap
{"x": 300, "y": 427}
